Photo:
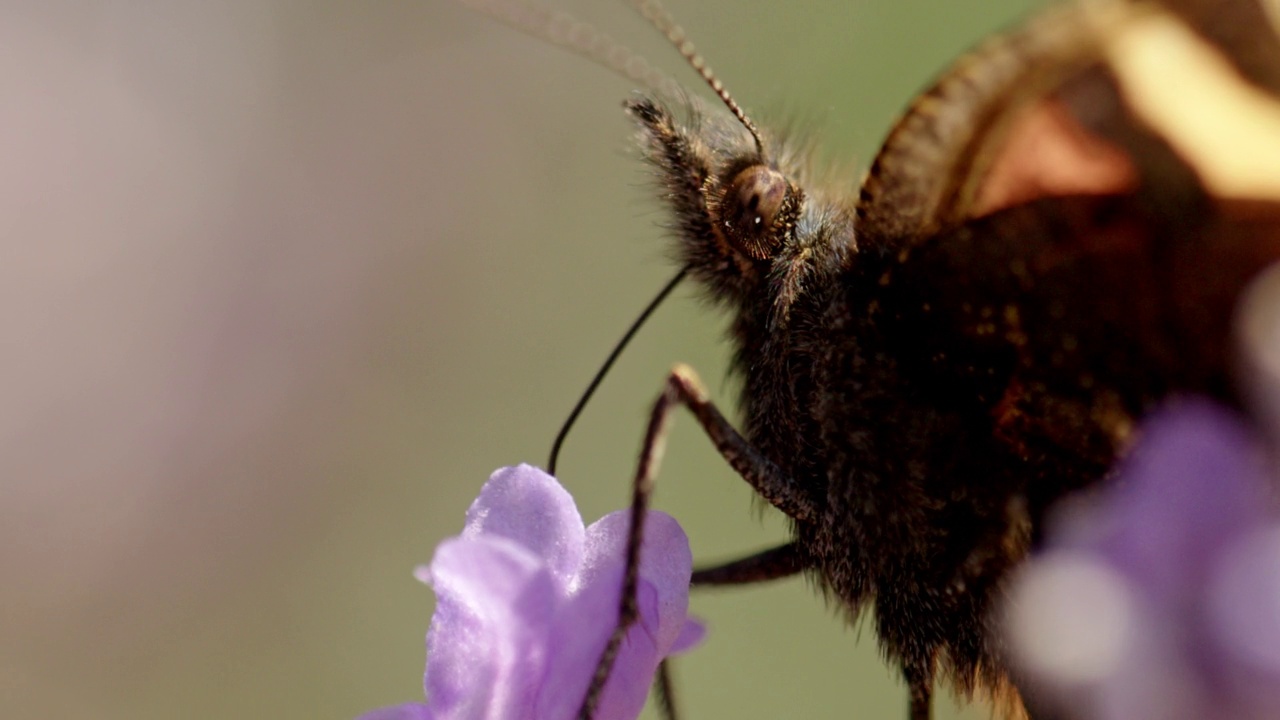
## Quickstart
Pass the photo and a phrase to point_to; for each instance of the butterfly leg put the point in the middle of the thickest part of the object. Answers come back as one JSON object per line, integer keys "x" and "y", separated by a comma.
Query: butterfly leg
{"x": 683, "y": 387}
{"x": 782, "y": 561}
{"x": 920, "y": 685}
{"x": 665, "y": 691}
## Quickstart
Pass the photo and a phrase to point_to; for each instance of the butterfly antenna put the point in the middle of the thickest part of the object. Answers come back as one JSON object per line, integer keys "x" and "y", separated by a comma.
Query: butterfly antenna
{"x": 566, "y": 32}
{"x": 659, "y": 18}
{"x": 608, "y": 363}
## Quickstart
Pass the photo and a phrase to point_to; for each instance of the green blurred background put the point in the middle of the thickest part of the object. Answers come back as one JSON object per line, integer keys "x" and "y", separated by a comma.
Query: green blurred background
{"x": 284, "y": 281}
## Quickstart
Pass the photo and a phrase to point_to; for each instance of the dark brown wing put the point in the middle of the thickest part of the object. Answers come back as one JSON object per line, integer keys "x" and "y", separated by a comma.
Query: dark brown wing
{"x": 1045, "y": 252}
{"x": 1070, "y": 317}
{"x": 1069, "y": 314}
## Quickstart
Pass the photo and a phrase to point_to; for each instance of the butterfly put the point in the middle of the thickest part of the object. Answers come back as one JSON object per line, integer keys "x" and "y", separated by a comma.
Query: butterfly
{"x": 1039, "y": 255}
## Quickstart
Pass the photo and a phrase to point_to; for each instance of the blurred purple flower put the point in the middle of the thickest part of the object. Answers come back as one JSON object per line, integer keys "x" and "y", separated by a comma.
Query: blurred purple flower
{"x": 1160, "y": 596}
{"x": 526, "y": 598}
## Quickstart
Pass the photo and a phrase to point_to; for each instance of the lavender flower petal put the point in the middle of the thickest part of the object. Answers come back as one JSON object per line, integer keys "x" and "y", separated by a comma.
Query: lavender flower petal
{"x": 1193, "y": 480}
{"x": 666, "y": 564}
{"x": 527, "y": 599}
{"x": 1160, "y": 596}
{"x": 665, "y": 567}
{"x": 486, "y": 647}
{"x": 527, "y": 505}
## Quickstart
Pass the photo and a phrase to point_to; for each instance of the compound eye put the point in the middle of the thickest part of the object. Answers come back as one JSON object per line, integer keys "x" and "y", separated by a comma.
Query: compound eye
{"x": 751, "y": 207}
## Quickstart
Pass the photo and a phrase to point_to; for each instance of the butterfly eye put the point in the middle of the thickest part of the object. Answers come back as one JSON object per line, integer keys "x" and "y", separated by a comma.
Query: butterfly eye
{"x": 751, "y": 209}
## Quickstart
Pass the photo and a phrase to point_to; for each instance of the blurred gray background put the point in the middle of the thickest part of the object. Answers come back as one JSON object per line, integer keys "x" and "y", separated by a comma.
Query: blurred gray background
{"x": 282, "y": 282}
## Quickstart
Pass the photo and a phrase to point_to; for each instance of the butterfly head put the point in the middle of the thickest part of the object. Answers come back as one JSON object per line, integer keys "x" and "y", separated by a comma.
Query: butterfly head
{"x": 747, "y": 227}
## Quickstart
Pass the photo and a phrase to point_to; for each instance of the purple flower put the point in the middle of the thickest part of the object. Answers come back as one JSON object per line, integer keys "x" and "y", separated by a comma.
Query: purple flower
{"x": 1160, "y": 597}
{"x": 527, "y": 598}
